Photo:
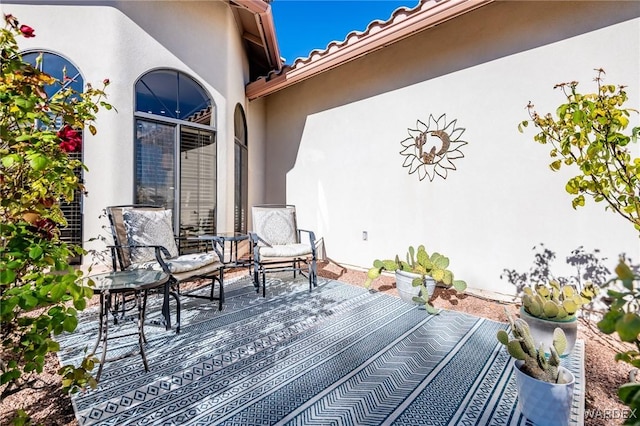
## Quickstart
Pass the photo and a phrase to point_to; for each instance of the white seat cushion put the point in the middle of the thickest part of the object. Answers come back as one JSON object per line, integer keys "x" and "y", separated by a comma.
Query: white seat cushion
{"x": 184, "y": 263}
{"x": 285, "y": 250}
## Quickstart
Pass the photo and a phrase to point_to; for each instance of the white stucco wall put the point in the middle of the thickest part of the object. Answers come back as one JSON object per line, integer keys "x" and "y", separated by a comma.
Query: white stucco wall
{"x": 122, "y": 41}
{"x": 333, "y": 141}
{"x": 256, "y": 130}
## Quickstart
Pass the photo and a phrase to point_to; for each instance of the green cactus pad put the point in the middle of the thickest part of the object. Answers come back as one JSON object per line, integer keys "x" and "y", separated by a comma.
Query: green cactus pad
{"x": 410, "y": 255}
{"x": 568, "y": 292}
{"x": 562, "y": 313}
{"x": 543, "y": 291}
{"x": 536, "y": 364}
{"x": 570, "y": 306}
{"x": 448, "y": 277}
{"x": 579, "y": 300}
{"x": 389, "y": 265}
{"x": 515, "y": 350}
{"x": 439, "y": 261}
{"x": 550, "y": 309}
{"x": 459, "y": 285}
{"x": 437, "y": 275}
{"x": 528, "y": 291}
{"x": 559, "y": 340}
{"x": 503, "y": 337}
{"x": 423, "y": 257}
{"x": 373, "y": 273}
{"x": 531, "y": 305}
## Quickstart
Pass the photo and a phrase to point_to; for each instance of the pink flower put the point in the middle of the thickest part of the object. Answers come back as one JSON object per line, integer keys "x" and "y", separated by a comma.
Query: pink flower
{"x": 27, "y": 31}
{"x": 71, "y": 140}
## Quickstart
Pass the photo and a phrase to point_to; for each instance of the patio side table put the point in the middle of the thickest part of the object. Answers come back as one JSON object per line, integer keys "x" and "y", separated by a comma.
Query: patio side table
{"x": 138, "y": 282}
{"x": 228, "y": 243}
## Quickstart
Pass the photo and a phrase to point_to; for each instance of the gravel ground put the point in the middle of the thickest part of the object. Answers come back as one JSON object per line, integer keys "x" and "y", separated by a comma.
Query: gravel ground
{"x": 47, "y": 405}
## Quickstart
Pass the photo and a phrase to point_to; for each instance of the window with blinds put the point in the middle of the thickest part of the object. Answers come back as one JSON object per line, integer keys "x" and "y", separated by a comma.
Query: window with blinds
{"x": 241, "y": 171}
{"x": 197, "y": 181}
{"x": 175, "y": 152}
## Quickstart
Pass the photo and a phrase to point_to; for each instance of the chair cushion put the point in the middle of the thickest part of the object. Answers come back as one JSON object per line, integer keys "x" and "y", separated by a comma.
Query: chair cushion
{"x": 276, "y": 226}
{"x": 149, "y": 228}
{"x": 286, "y": 250}
{"x": 180, "y": 264}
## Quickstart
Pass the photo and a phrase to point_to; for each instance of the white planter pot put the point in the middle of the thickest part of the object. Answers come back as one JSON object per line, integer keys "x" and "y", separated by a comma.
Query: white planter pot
{"x": 542, "y": 331}
{"x": 545, "y": 403}
{"x": 406, "y": 290}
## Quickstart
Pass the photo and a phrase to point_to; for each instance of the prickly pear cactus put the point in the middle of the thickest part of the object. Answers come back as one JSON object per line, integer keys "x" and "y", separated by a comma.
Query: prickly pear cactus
{"x": 522, "y": 347}
{"x": 554, "y": 302}
{"x": 421, "y": 263}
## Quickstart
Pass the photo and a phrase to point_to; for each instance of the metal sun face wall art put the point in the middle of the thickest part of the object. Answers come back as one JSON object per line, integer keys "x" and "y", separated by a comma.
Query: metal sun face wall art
{"x": 431, "y": 147}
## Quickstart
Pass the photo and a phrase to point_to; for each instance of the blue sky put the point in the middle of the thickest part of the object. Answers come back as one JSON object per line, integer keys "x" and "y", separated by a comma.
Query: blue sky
{"x": 305, "y": 25}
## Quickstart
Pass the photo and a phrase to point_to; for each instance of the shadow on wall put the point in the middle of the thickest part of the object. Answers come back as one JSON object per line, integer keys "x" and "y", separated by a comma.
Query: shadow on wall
{"x": 589, "y": 268}
{"x": 489, "y": 33}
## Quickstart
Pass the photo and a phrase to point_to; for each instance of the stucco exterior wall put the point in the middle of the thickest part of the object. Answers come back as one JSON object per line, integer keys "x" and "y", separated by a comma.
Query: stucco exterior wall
{"x": 122, "y": 41}
{"x": 333, "y": 141}
{"x": 256, "y": 130}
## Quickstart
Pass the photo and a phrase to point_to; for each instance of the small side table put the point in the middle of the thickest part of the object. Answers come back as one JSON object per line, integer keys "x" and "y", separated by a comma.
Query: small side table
{"x": 138, "y": 282}
{"x": 230, "y": 241}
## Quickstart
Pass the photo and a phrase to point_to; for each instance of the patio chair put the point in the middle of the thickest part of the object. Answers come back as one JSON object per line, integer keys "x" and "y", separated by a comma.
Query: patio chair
{"x": 144, "y": 239}
{"x": 278, "y": 244}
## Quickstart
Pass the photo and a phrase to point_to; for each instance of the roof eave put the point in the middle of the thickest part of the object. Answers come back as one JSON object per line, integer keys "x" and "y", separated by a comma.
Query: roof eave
{"x": 424, "y": 16}
{"x": 264, "y": 20}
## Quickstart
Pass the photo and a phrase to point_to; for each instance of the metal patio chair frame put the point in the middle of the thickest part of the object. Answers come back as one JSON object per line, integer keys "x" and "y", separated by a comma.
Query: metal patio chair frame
{"x": 121, "y": 260}
{"x": 294, "y": 257}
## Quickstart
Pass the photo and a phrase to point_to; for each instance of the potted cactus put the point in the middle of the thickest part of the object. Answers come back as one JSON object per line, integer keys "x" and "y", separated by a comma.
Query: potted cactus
{"x": 545, "y": 388}
{"x": 417, "y": 276}
{"x": 547, "y": 306}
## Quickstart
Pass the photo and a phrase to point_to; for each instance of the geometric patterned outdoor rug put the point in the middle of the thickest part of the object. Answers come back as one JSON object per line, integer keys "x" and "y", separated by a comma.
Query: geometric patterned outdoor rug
{"x": 340, "y": 355}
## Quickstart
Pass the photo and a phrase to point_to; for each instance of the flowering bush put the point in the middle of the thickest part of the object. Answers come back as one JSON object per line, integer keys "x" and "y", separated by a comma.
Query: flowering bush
{"x": 40, "y": 293}
{"x": 588, "y": 133}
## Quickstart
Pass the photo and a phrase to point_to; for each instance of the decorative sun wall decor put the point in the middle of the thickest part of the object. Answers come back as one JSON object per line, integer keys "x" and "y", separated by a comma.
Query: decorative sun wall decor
{"x": 431, "y": 147}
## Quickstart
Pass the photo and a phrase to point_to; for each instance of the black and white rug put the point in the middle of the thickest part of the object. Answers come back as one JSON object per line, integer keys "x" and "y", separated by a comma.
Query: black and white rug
{"x": 340, "y": 355}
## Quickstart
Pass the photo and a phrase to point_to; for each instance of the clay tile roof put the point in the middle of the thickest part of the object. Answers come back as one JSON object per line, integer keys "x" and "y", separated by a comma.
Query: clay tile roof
{"x": 402, "y": 23}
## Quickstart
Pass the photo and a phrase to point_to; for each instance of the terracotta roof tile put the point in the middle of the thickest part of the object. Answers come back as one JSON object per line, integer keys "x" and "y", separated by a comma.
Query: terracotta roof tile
{"x": 402, "y": 23}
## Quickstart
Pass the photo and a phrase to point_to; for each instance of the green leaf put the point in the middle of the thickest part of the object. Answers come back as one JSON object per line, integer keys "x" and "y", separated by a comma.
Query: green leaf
{"x": 624, "y": 272}
{"x": 608, "y": 322}
{"x": 578, "y": 201}
{"x": 57, "y": 291}
{"x": 70, "y": 324}
{"x": 80, "y": 304}
{"x": 7, "y": 276}
{"x": 38, "y": 162}
{"x": 28, "y": 301}
{"x": 35, "y": 252}
{"x": 628, "y": 327}
{"x": 10, "y": 160}
{"x": 555, "y": 166}
{"x": 578, "y": 116}
{"x": 628, "y": 392}
{"x": 7, "y": 305}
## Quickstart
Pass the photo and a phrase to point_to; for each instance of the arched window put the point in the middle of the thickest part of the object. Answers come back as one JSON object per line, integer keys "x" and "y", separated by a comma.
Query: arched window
{"x": 241, "y": 171}
{"x": 64, "y": 71}
{"x": 175, "y": 149}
